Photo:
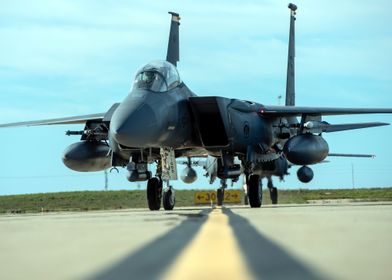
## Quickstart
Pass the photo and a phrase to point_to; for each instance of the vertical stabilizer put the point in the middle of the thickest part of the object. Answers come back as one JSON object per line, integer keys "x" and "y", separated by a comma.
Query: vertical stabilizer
{"x": 290, "y": 83}
{"x": 173, "y": 48}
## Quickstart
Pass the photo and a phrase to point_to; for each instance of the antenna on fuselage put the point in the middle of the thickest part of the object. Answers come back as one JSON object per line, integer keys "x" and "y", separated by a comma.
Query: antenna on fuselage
{"x": 290, "y": 83}
{"x": 173, "y": 48}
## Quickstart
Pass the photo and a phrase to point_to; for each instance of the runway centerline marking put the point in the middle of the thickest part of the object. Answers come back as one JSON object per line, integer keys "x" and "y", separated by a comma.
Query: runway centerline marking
{"x": 213, "y": 253}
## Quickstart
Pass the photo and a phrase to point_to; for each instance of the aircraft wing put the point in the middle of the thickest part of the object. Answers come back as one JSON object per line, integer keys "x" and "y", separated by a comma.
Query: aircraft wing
{"x": 326, "y": 127}
{"x": 69, "y": 120}
{"x": 351, "y": 155}
{"x": 277, "y": 111}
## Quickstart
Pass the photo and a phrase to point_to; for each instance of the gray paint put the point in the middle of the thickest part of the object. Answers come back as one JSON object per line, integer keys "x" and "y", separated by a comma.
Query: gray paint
{"x": 306, "y": 149}
{"x": 290, "y": 82}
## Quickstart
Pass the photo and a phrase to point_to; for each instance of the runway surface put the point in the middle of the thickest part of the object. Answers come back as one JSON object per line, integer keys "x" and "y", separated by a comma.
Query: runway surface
{"x": 342, "y": 241}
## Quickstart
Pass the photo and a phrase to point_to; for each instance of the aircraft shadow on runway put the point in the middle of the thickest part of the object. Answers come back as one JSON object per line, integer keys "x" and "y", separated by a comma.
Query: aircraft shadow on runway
{"x": 264, "y": 258}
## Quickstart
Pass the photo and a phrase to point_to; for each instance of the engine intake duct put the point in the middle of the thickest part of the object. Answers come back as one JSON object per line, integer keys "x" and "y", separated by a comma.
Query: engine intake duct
{"x": 210, "y": 121}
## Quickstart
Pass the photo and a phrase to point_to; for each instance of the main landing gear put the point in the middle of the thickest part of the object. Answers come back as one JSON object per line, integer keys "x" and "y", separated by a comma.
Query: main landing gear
{"x": 220, "y": 193}
{"x": 254, "y": 190}
{"x": 255, "y": 193}
{"x": 273, "y": 191}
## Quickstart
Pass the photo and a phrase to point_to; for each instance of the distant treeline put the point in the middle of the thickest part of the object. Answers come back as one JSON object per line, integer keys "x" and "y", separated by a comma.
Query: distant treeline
{"x": 109, "y": 200}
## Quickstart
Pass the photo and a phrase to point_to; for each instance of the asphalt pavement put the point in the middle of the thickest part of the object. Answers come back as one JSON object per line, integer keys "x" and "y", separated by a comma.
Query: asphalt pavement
{"x": 333, "y": 241}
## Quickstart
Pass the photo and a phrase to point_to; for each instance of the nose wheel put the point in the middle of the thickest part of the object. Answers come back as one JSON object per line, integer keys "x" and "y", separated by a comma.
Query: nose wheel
{"x": 168, "y": 198}
{"x": 154, "y": 193}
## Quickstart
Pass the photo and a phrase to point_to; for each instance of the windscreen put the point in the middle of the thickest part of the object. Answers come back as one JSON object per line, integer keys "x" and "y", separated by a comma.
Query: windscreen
{"x": 157, "y": 76}
{"x": 151, "y": 80}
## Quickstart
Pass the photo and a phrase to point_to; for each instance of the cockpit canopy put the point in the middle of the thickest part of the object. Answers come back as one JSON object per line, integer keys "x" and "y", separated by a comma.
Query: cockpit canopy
{"x": 157, "y": 76}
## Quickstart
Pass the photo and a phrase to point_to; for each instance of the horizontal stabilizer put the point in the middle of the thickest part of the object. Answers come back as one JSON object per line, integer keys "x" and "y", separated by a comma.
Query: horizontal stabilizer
{"x": 342, "y": 127}
{"x": 351, "y": 155}
{"x": 68, "y": 120}
{"x": 282, "y": 111}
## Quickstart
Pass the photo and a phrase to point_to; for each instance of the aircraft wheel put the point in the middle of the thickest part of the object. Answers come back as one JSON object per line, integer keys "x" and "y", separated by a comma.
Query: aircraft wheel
{"x": 274, "y": 195}
{"x": 154, "y": 193}
{"x": 254, "y": 191}
{"x": 169, "y": 198}
{"x": 220, "y": 195}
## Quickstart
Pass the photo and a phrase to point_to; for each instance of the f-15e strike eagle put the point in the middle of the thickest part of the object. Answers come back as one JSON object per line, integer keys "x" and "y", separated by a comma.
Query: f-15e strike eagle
{"x": 162, "y": 119}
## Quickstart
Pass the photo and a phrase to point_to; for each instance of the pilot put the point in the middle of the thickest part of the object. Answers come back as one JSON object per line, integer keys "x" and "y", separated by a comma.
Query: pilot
{"x": 149, "y": 77}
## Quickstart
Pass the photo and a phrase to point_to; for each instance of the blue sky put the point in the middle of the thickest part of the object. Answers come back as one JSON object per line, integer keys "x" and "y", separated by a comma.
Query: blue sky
{"x": 64, "y": 58}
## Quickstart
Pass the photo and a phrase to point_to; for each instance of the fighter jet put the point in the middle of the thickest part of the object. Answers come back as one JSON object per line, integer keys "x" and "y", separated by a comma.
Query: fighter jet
{"x": 162, "y": 120}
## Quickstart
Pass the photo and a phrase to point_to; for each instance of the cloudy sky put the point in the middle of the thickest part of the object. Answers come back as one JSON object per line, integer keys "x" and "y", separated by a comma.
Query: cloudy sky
{"x": 64, "y": 58}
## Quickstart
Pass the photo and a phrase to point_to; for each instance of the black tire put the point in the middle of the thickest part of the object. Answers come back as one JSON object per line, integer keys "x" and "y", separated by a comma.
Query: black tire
{"x": 169, "y": 199}
{"x": 274, "y": 195}
{"x": 254, "y": 191}
{"x": 154, "y": 193}
{"x": 220, "y": 195}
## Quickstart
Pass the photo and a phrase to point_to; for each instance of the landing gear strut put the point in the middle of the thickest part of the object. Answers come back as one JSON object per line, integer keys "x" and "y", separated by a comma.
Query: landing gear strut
{"x": 154, "y": 193}
{"x": 254, "y": 190}
{"x": 220, "y": 193}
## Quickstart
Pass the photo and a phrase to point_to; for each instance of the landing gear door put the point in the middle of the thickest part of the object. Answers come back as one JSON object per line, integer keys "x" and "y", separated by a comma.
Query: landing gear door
{"x": 169, "y": 164}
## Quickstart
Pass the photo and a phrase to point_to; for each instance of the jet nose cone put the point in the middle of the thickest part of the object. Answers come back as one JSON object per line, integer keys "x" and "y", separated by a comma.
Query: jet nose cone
{"x": 133, "y": 127}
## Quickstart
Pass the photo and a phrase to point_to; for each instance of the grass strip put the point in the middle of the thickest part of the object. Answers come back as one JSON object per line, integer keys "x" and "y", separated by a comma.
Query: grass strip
{"x": 109, "y": 200}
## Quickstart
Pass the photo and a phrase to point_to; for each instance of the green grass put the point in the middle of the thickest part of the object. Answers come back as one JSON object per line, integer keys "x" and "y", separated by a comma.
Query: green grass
{"x": 107, "y": 200}
{"x": 304, "y": 195}
{"x": 72, "y": 201}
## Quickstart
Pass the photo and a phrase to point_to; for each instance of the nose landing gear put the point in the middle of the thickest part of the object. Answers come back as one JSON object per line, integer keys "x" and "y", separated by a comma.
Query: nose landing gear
{"x": 168, "y": 198}
{"x": 154, "y": 193}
